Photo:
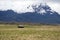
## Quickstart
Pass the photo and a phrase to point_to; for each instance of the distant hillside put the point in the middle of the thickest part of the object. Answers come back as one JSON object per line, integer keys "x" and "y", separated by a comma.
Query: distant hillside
{"x": 41, "y": 14}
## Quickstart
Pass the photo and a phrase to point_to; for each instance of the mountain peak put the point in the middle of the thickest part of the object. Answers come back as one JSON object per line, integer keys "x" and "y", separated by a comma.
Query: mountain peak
{"x": 42, "y": 8}
{"x": 43, "y": 4}
{"x": 42, "y": 14}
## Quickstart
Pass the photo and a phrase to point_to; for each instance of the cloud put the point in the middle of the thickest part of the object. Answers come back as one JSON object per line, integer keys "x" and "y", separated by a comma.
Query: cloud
{"x": 21, "y": 5}
{"x": 56, "y": 1}
{"x": 55, "y": 6}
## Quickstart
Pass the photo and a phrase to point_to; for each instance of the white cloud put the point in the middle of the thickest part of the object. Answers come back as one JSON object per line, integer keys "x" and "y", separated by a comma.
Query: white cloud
{"x": 55, "y": 7}
{"x": 21, "y": 5}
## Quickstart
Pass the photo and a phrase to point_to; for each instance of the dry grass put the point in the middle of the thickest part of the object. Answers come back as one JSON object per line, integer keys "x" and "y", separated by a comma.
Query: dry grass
{"x": 44, "y": 32}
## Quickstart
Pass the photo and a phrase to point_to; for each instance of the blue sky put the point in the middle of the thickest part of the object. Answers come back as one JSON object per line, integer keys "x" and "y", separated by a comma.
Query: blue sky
{"x": 21, "y": 5}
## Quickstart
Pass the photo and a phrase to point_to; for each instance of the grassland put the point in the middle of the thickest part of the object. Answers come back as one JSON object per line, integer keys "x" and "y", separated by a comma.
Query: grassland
{"x": 29, "y": 32}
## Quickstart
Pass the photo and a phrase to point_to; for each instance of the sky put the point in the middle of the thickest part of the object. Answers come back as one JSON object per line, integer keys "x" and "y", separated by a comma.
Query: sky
{"x": 21, "y": 5}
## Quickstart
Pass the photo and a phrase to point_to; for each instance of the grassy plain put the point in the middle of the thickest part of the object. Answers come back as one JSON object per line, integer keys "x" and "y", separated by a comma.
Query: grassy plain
{"x": 29, "y": 32}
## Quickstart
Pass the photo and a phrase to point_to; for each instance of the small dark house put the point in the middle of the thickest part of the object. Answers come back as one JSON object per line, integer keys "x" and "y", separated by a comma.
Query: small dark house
{"x": 20, "y": 26}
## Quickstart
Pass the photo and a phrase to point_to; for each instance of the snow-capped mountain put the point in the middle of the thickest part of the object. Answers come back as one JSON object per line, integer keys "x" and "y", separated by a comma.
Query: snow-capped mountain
{"x": 42, "y": 14}
{"x": 43, "y": 8}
